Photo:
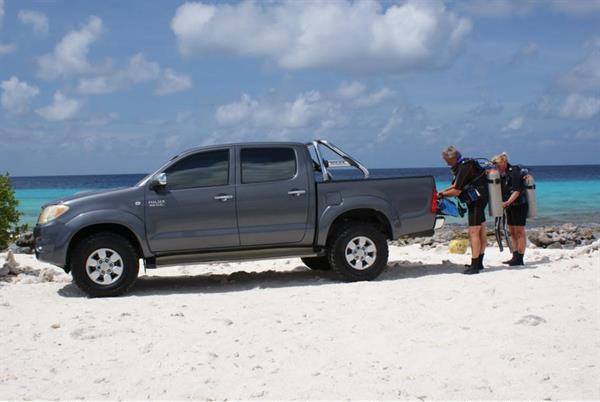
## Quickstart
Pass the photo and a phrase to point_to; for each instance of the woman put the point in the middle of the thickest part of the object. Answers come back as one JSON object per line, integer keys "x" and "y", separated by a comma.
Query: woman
{"x": 515, "y": 203}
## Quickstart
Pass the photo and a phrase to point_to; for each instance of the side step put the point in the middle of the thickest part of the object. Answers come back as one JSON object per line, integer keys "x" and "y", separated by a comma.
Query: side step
{"x": 228, "y": 256}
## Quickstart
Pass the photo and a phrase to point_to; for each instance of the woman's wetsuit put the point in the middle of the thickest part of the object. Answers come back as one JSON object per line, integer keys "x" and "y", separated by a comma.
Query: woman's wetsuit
{"x": 511, "y": 181}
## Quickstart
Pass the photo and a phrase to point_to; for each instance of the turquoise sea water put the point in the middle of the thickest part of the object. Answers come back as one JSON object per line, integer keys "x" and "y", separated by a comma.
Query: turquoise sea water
{"x": 564, "y": 193}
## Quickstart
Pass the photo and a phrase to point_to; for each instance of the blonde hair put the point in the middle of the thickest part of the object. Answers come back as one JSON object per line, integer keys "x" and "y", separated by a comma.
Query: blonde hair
{"x": 450, "y": 152}
{"x": 501, "y": 157}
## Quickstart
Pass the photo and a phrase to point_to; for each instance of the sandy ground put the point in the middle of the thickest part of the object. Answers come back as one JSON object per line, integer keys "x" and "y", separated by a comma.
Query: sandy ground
{"x": 275, "y": 330}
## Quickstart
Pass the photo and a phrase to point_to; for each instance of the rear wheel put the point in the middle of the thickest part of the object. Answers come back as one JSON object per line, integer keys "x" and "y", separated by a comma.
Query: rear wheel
{"x": 358, "y": 252}
{"x": 317, "y": 263}
{"x": 104, "y": 264}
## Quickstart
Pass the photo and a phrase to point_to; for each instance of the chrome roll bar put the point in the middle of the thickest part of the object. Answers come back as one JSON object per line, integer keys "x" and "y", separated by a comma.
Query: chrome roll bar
{"x": 325, "y": 165}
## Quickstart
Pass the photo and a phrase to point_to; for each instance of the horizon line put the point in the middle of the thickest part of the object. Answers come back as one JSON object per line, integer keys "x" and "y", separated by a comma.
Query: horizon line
{"x": 373, "y": 168}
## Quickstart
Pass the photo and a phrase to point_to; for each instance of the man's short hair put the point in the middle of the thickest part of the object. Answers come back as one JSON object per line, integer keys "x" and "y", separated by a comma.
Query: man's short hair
{"x": 450, "y": 152}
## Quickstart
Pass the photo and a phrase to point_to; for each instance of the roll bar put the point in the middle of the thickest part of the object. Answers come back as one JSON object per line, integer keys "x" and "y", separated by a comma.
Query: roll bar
{"x": 347, "y": 160}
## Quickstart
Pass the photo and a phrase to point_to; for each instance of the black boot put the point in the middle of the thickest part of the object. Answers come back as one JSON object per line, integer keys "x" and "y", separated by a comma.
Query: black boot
{"x": 473, "y": 268}
{"x": 518, "y": 261}
{"x": 481, "y": 261}
{"x": 514, "y": 257}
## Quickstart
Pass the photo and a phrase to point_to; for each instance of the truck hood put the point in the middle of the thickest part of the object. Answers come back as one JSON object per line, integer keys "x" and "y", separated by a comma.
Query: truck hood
{"x": 83, "y": 195}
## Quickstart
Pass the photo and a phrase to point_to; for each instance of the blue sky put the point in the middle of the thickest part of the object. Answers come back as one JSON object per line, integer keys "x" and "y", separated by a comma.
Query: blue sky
{"x": 108, "y": 86}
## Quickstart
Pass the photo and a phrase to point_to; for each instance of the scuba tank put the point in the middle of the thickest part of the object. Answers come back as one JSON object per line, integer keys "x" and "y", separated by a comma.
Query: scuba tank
{"x": 495, "y": 192}
{"x": 530, "y": 193}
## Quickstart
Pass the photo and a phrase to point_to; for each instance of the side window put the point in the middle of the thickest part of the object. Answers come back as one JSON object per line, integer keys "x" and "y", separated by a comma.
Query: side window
{"x": 204, "y": 169}
{"x": 267, "y": 164}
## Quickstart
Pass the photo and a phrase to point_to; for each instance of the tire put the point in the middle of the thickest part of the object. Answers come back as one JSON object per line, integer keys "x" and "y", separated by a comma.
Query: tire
{"x": 363, "y": 237}
{"x": 317, "y": 263}
{"x": 115, "y": 274}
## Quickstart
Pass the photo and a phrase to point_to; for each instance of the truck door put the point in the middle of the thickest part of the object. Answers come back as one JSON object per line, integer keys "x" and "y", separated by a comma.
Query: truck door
{"x": 272, "y": 196}
{"x": 196, "y": 208}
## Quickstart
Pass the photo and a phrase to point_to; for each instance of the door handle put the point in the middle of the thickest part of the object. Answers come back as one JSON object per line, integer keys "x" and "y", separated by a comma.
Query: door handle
{"x": 296, "y": 193}
{"x": 223, "y": 197}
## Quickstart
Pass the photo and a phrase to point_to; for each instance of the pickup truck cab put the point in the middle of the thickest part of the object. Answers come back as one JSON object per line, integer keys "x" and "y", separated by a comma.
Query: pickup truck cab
{"x": 236, "y": 202}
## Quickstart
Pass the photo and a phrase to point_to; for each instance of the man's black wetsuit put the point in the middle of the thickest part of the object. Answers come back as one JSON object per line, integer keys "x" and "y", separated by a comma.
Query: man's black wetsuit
{"x": 467, "y": 172}
{"x": 516, "y": 213}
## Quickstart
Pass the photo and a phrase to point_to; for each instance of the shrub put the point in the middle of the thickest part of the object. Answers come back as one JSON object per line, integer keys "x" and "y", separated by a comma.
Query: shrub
{"x": 9, "y": 215}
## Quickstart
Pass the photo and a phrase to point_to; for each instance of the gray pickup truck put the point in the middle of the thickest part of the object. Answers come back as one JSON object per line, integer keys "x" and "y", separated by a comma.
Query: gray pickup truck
{"x": 236, "y": 202}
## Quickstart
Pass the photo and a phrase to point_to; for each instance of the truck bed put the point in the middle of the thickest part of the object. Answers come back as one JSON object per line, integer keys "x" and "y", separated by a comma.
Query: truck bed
{"x": 406, "y": 200}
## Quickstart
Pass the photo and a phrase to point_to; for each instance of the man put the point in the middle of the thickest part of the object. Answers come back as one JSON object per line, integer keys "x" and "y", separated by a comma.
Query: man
{"x": 515, "y": 203}
{"x": 470, "y": 186}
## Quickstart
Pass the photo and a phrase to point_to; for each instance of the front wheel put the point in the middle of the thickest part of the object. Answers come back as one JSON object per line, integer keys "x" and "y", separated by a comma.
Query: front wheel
{"x": 104, "y": 264}
{"x": 358, "y": 252}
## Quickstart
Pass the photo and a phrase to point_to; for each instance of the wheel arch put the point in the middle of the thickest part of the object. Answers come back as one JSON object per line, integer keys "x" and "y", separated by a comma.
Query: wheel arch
{"x": 92, "y": 229}
{"x": 368, "y": 215}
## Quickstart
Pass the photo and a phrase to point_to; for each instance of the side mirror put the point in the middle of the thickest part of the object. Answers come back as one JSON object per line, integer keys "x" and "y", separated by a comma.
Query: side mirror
{"x": 159, "y": 181}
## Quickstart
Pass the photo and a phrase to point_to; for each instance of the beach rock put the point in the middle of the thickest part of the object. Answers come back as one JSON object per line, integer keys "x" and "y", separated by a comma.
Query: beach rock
{"x": 4, "y": 270}
{"x": 20, "y": 250}
{"x": 540, "y": 238}
{"x": 26, "y": 240}
{"x": 568, "y": 235}
{"x": 47, "y": 275}
{"x": 11, "y": 264}
{"x": 555, "y": 245}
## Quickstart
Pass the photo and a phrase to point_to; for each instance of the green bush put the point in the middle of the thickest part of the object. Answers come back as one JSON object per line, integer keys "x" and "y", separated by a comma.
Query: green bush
{"x": 9, "y": 215}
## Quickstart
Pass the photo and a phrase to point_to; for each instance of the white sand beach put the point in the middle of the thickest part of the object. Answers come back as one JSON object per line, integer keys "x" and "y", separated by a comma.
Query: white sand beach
{"x": 276, "y": 330}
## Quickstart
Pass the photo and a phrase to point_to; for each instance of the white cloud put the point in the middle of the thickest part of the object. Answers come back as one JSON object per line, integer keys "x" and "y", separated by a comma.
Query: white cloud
{"x": 16, "y": 95}
{"x": 500, "y": 8}
{"x": 101, "y": 120}
{"x": 509, "y": 8}
{"x": 62, "y": 108}
{"x": 405, "y": 120}
{"x": 515, "y": 124}
{"x": 350, "y": 90}
{"x": 138, "y": 70}
{"x": 70, "y": 55}
{"x": 588, "y": 134}
{"x": 307, "y": 110}
{"x": 374, "y": 98}
{"x": 171, "y": 82}
{"x": 6, "y": 48}
{"x": 37, "y": 20}
{"x": 486, "y": 108}
{"x": 359, "y": 36}
{"x": 356, "y": 93}
{"x": 529, "y": 51}
{"x": 580, "y": 107}
{"x": 583, "y": 8}
{"x": 585, "y": 75}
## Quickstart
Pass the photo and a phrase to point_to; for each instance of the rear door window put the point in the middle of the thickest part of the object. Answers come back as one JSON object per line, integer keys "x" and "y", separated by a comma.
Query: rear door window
{"x": 204, "y": 169}
{"x": 261, "y": 165}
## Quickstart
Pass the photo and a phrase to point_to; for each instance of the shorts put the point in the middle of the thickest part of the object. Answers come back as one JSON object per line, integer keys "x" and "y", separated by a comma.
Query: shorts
{"x": 477, "y": 212}
{"x": 516, "y": 215}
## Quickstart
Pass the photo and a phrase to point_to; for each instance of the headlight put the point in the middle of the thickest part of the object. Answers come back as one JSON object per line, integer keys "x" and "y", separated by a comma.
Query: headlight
{"x": 52, "y": 212}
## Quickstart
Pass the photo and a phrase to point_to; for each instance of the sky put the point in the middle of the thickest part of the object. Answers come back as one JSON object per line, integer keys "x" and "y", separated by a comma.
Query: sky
{"x": 104, "y": 87}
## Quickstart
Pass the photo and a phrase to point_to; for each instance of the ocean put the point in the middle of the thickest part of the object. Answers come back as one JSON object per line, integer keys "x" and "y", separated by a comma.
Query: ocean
{"x": 564, "y": 193}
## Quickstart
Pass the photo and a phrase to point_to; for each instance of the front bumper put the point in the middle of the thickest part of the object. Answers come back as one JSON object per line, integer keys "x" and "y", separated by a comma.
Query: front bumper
{"x": 439, "y": 222}
{"x": 50, "y": 244}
